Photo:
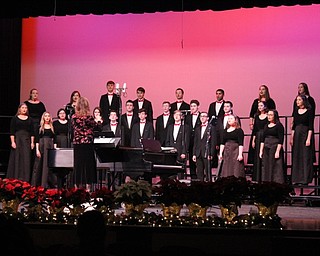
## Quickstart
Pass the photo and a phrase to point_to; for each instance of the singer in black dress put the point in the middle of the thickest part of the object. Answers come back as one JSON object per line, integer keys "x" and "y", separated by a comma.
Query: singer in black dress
{"x": 42, "y": 175}
{"x": 260, "y": 120}
{"x": 302, "y": 142}
{"x": 271, "y": 149}
{"x": 264, "y": 95}
{"x": 22, "y": 142}
{"x": 61, "y": 129}
{"x": 231, "y": 149}
{"x": 303, "y": 89}
{"x": 71, "y": 105}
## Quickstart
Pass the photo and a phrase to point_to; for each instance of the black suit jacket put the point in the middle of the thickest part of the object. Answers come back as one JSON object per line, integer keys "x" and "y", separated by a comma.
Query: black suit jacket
{"x": 148, "y": 133}
{"x": 181, "y": 143}
{"x": 199, "y": 147}
{"x": 212, "y": 111}
{"x": 147, "y": 105}
{"x": 107, "y": 127}
{"x": 174, "y": 106}
{"x": 106, "y": 107}
{"x": 160, "y": 131}
{"x": 125, "y": 130}
{"x": 188, "y": 121}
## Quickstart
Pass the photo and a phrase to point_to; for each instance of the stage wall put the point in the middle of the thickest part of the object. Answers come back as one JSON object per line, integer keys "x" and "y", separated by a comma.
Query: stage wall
{"x": 235, "y": 50}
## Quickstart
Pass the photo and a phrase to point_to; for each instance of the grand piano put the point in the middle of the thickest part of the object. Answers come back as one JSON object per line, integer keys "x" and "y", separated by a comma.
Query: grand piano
{"x": 119, "y": 160}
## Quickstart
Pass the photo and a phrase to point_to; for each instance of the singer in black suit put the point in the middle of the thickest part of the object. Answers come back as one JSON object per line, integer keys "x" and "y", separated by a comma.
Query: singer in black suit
{"x": 178, "y": 137}
{"x": 141, "y": 130}
{"x": 162, "y": 123}
{"x": 127, "y": 120}
{"x": 113, "y": 125}
{"x": 216, "y": 107}
{"x": 204, "y": 147}
{"x": 141, "y": 102}
{"x": 193, "y": 121}
{"x": 179, "y": 104}
{"x": 109, "y": 101}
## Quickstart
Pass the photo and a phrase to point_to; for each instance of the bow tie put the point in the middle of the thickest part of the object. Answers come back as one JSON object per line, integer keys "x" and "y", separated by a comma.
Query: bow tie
{"x": 166, "y": 114}
{"x": 140, "y": 100}
{"x": 113, "y": 124}
{"x": 142, "y": 122}
{"x": 219, "y": 101}
{"x": 227, "y": 114}
{"x": 129, "y": 114}
{"x": 110, "y": 94}
{"x": 177, "y": 124}
{"x": 203, "y": 125}
{"x": 179, "y": 101}
{"x": 195, "y": 114}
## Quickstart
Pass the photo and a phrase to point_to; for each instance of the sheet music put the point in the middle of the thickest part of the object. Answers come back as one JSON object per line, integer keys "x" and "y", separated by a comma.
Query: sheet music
{"x": 104, "y": 140}
{"x": 168, "y": 149}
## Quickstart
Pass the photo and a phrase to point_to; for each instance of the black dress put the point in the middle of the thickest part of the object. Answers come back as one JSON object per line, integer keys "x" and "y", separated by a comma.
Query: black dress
{"x": 302, "y": 163}
{"x": 19, "y": 165}
{"x": 258, "y": 127}
{"x": 273, "y": 169}
{"x": 35, "y": 112}
{"x": 61, "y": 134}
{"x": 313, "y": 113}
{"x": 253, "y": 111}
{"x": 231, "y": 141}
{"x": 42, "y": 175}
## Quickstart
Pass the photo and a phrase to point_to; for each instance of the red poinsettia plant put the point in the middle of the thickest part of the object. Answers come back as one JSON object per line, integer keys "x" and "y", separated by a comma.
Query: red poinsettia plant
{"x": 170, "y": 191}
{"x": 13, "y": 189}
{"x": 58, "y": 198}
{"x": 34, "y": 196}
{"x": 103, "y": 197}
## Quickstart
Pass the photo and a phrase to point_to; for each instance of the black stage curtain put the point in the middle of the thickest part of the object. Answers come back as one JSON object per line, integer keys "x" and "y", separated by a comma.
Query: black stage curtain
{"x": 10, "y": 68}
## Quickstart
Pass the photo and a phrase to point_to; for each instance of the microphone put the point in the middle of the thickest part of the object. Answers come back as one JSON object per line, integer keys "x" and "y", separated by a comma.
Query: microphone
{"x": 213, "y": 120}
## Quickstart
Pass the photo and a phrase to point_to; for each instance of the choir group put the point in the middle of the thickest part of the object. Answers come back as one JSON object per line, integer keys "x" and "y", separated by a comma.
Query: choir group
{"x": 203, "y": 140}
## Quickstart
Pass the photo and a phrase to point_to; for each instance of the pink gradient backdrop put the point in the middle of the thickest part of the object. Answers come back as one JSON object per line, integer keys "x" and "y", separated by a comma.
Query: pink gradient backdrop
{"x": 235, "y": 50}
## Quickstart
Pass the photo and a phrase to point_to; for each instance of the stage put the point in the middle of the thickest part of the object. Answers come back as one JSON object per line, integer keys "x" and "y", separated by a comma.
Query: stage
{"x": 300, "y": 236}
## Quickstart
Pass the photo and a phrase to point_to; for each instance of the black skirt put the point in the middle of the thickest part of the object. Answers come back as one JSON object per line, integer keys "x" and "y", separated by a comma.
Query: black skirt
{"x": 302, "y": 160}
{"x": 85, "y": 168}
{"x": 272, "y": 168}
{"x": 231, "y": 166}
{"x": 19, "y": 165}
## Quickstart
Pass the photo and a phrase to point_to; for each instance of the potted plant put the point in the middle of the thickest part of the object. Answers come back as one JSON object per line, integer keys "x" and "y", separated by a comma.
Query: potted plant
{"x": 103, "y": 199}
{"x": 171, "y": 194}
{"x": 199, "y": 196}
{"x": 11, "y": 193}
{"x": 136, "y": 195}
{"x": 268, "y": 194}
{"x": 231, "y": 191}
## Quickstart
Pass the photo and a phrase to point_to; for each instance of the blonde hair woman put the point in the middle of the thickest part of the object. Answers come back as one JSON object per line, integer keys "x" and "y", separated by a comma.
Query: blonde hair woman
{"x": 44, "y": 140}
